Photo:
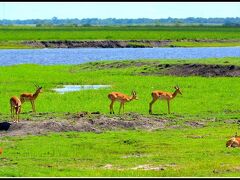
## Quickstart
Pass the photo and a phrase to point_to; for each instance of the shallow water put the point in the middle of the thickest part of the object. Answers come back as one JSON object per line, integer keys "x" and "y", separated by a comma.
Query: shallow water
{"x": 71, "y": 88}
{"x": 82, "y": 55}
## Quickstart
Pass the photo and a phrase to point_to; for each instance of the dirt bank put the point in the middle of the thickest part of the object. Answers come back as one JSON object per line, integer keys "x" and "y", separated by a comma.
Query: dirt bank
{"x": 114, "y": 43}
{"x": 85, "y": 122}
{"x": 157, "y": 68}
{"x": 97, "y": 44}
{"x": 206, "y": 70}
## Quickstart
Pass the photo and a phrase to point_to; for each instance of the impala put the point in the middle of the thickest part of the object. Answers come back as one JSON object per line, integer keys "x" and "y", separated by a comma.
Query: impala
{"x": 233, "y": 142}
{"x": 122, "y": 98}
{"x": 31, "y": 97}
{"x": 162, "y": 95}
{"x": 15, "y": 104}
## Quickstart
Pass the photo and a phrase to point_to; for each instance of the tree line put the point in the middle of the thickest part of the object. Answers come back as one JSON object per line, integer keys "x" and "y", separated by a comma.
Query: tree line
{"x": 113, "y": 21}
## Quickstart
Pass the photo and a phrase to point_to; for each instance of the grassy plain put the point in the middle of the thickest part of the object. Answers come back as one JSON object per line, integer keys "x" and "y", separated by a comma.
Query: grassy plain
{"x": 164, "y": 153}
{"x": 202, "y": 97}
{"x": 179, "y": 152}
{"x": 13, "y": 34}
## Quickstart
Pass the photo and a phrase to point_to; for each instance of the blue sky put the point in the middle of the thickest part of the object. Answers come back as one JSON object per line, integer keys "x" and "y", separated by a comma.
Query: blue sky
{"x": 154, "y": 10}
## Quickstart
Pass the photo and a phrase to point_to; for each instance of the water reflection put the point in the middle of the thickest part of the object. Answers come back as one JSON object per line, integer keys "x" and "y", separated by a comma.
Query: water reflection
{"x": 70, "y": 88}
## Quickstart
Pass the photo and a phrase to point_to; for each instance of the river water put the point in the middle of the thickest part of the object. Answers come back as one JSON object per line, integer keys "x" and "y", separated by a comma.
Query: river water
{"x": 82, "y": 55}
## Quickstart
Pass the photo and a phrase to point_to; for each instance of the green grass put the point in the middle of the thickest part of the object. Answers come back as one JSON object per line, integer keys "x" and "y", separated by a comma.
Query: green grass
{"x": 118, "y": 33}
{"x": 11, "y": 36}
{"x": 205, "y": 44}
{"x": 13, "y": 45}
{"x": 202, "y": 97}
{"x": 83, "y": 154}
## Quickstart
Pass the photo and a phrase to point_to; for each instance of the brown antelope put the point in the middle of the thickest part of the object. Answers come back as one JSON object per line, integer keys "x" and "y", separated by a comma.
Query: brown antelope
{"x": 122, "y": 98}
{"x": 161, "y": 95}
{"x": 15, "y": 104}
{"x": 31, "y": 97}
{"x": 233, "y": 142}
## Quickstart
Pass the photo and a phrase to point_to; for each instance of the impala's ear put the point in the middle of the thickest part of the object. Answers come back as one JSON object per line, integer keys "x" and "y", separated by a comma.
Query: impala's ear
{"x": 175, "y": 87}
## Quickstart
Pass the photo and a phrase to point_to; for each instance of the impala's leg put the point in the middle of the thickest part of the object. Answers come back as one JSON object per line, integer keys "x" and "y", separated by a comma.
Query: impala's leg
{"x": 120, "y": 107}
{"x": 111, "y": 107}
{"x": 18, "y": 112}
{"x": 123, "y": 107}
{"x": 12, "y": 113}
{"x": 11, "y": 110}
{"x": 168, "y": 106}
{"x": 150, "y": 105}
{"x": 34, "y": 106}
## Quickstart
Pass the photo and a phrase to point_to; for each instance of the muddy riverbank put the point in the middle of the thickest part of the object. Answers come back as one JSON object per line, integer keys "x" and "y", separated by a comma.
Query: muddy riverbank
{"x": 114, "y": 43}
{"x": 97, "y": 44}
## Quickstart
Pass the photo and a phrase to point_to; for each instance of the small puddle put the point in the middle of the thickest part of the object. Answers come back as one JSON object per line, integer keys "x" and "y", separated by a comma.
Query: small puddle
{"x": 71, "y": 88}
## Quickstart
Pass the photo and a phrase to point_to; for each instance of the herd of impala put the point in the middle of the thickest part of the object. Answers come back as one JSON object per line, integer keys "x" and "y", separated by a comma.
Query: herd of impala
{"x": 16, "y": 103}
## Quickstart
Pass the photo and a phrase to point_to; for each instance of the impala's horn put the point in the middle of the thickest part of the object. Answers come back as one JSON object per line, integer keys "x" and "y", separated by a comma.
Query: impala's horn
{"x": 37, "y": 86}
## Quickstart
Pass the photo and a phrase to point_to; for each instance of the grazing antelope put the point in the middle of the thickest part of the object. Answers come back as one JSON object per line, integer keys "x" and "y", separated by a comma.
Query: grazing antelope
{"x": 15, "y": 104}
{"x": 122, "y": 98}
{"x": 234, "y": 141}
{"x": 31, "y": 97}
{"x": 161, "y": 95}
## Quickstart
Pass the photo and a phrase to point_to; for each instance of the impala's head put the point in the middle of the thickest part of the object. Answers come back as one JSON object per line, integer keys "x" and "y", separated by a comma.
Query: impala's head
{"x": 38, "y": 88}
{"x": 178, "y": 89}
{"x": 134, "y": 95}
